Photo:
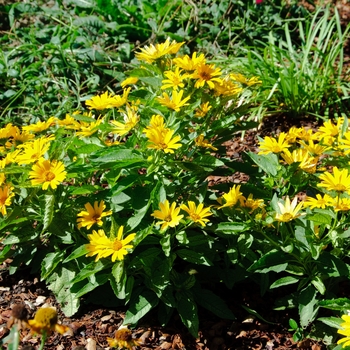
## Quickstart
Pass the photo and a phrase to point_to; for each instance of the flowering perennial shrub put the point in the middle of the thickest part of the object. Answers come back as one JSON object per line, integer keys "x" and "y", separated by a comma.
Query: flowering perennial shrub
{"x": 116, "y": 197}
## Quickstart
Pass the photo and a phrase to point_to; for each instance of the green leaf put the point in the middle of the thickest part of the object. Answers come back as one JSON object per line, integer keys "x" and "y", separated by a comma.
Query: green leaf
{"x": 319, "y": 285}
{"x": 293, "y": 324}
{"x": 254, "y": 313}
{"x": 77, "y": 253}
{"x": 284, "y": 281}
{"x": 232, "y": 227}
{"x": 213, "y": 303}
{"x": 320, "y": 219}
{"x": 116, "y": 158}
{"x": 118, "y": 270}
{"x": 208, "y": 161}
{"x": 84, "y": 189}
{"x": 334, "y": 322}
{"x": 267, "y": 162}
{"x": 187, "y": 309}
{"x": 93, "y": 282}
{"x": 340, "y": 304}
{"x": 59, "y": 283}
{"x": 140, "y": 305}
{"x": 193, "y": 257}
{"x": 165, "y": 242}
{"x": 50, "y": 262}
{"x": 307, "y": 305}
{"x": 48, "y": 210}
{"x": 89, "y": 270}
{"x": 119, "y": 288}
{"x": 272, "y": 261}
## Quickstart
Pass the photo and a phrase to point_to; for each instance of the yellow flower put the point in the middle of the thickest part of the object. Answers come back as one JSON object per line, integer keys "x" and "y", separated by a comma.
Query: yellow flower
{"x": 251, "y": 203}
{"x": 34, "y": 150}
{"x": 244, "y": 81}
{"x": 341, "y": 204}
{"x": 197, "y": 214}
{"x": 156, "y": 122}
{"x": 232, "y": 197}
{"x": 206, "y": 74}
{"x": 189, "y": 63}
{"x": 272, "y": 145}
{"x": 105, "y": 100}
{"x": 103, "y": 247}
{"x": 161, "y": 139}
{"x": 301, "y": 156}
{"x": 289, "y": 211}
{"x": 87, "y": 129}
{"x": 69, "y": 122}
{"x": 201, "y": 142}
{"x": 315, "y": 149}
{"x": 319, "y": 201}
{"x": 131, "y": 118}
{"x": 129, "y": 81}
{"x": 40, "y": 126}
{"x": 345, "y": 143}
{"x": 169, "y": 215}
{"x": 175, "y": 102}
{"x": 5, "y": 198}
{"x": 202, "y": 110}
{"x": 226, "y": 87}
{"x": 345, "y": 331}
{"x": 153, "y": 52}
{"x": 123, "y": 339}
{"x": 339, "y": 181}
{"x": 47, "y": 173}
{"x": 174, "y": 81}
{"x": 45, "y": 321}
{"x": 92, "y": 215}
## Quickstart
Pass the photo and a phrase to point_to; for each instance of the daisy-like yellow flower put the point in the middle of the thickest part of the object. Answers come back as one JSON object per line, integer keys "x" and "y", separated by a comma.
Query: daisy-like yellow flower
{"x": 129, "y": 81}
{"x": 103, "y": 247}
{"x": 153, "y": 52}
{"x": 34, "y": 150}
{"x": 202, "y": 110}
{"x": 156, "y": 122}
{"x": 270, "y": 144}
{"x": 319, "y": 201}
{"x": 301, "y": 156}
{"x": 189, "y": 63}
{"x": 201, "y": 142}
{"x": 289, "y": 210}
{"x": 70, "y": 122}
{"x": 344, "y": 143}
{"x": 40, "y": 126}
{"x": 197, "y": 214}
{"x": 106, "y": 100}
{"x": 314, "y": 148}
{"x": 227, "y": 87}
{"x": 339, "y": 181}
{"x": 341, "y": 204}
{"x": 175, "y": 79}
{"x": 328, "y": 132}
{"x": 175, "y": 102}
{"x": 207, "y": 74}
{"x": 5, "y": 198}
{"x": 168, "y": 214}
{"x": 88, "y": 129}
{"x": 123, "y": 339}
{"x": 162, "y": 139}
{"x": 131, "y": 118}
{"x": 47, "y": 173}
{"x": 251, "y": 203}
{"x": 295, "y": 134}
{"x": 240, "y": 78}
{"x": 92, "y": 215}
{"x": 2, "y": 178}
{"x": 232, "y": 197}
{"x": 45, "y": 321}
{"x": 345, "y": 330}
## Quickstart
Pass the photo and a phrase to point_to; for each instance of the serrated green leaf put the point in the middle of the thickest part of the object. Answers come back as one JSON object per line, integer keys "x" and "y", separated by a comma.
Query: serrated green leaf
{"x": 48, "y": 210}
{"x": 272, "y": 261}
{"x": 89, "y": 270}
{"x": 232, "y": 227}
{"x": 50, "y": 262}
{"x": 59, "y": 283}
{"x": 84, "y": 189}
{"x": 340, "y": 304}
{"x": 320, "y": 219}
{"x": 267, "y": 162}
{"x": 165, "y": 243}
{"x": 334, "y": 322}
{"x": 118, "y": 270}
{"x": 307, "y": 305}
{"x": 116, "y": 158}
{"x": 319, "y": 285}
{"x": 140, "y": 305}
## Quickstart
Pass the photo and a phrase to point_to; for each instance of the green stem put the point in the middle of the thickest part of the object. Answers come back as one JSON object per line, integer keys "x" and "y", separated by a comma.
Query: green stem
{"x": 43, "y": 340}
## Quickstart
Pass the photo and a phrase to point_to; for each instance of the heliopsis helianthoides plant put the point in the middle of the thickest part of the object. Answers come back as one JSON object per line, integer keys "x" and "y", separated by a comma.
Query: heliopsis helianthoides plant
{"x": 121, "y": 196}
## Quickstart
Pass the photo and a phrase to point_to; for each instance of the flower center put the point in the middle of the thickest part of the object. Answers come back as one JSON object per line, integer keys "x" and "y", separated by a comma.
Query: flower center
{"x": 205, "y": 75}
{"x": 195, "y": 217}
{"x": 117, "y": 245}
{"x": 49, "y": 176}
{"x": 287, "y": 217}
{"x": 168, "y": 218}
{"x": 339, "y": 188}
